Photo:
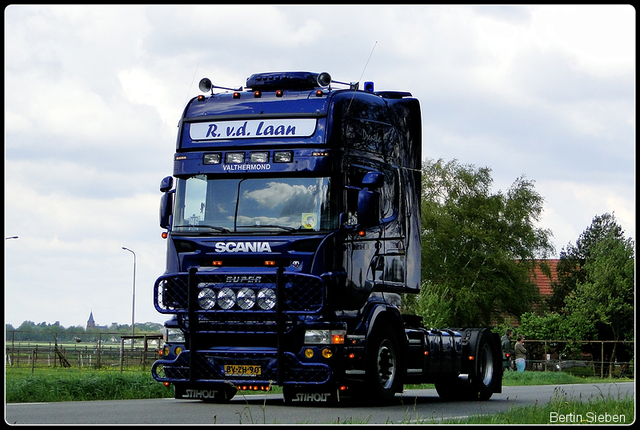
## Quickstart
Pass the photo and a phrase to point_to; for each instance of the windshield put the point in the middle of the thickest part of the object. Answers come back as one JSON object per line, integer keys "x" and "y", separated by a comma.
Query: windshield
{"x": 205, "y": 205}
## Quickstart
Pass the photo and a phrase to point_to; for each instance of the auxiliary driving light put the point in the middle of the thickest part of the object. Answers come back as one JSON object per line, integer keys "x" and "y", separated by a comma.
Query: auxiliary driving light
{"x": 207, "y": 298}
{"x": 246, "y": 298}
{"x": 266, "y": 299}
{"x": 259, "y": 157}
{"x": 215, "y": 158}
{"x": 282, "y": 157}
{"x": 226, "y": 298}
{"x": 235, "y": 158}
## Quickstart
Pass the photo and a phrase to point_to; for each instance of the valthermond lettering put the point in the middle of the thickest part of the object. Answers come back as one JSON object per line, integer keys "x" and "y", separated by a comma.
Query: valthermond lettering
{"x": 242, "y": 167}
{"x": 286, "y": 127}
{"x": 242, "y": 247}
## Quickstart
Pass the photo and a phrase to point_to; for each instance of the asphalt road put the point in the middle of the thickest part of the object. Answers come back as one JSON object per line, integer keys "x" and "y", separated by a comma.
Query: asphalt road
{"x": 413, "y": 406}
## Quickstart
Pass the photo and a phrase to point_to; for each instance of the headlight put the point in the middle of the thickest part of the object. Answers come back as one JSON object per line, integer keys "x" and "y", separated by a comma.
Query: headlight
{"x": 324, "y": 337}
{"x": 312, "y": 337}
{"x": 266, "y": 299}
{"x": 207, "y": 298}
{"x": 226, "y": 298}
{"x": 175, "y": 334}
{"x": 246, "y": 298}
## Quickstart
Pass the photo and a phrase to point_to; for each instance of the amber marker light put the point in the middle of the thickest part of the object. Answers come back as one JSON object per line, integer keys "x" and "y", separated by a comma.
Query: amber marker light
{"x": 270, "y": 263}
{"x": 362, "y": 233}
{"x": 216, "y": 263}
{"x": 337, "y": 339}
{"x": 165, "y": 234}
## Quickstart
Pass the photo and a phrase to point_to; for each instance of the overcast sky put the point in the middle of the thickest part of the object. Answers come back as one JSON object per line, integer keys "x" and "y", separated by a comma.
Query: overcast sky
{"x": 93, "y": 95}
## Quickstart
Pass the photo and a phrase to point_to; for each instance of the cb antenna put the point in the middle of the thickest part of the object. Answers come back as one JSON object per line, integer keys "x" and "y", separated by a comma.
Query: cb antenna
{"x": 367, "y": 63}
{"x": 363, "y": 70}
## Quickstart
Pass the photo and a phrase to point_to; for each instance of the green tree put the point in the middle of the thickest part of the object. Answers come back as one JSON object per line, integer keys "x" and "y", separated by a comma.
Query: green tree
{"x": 478, "y": 248}
{"x": 605, "y": 292}
{"x": 574, "y": 257}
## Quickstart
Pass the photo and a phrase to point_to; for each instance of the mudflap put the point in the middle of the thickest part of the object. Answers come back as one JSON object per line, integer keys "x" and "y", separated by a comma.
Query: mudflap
{"x": 218, "y": 393}
{"x": 304, "y": 394}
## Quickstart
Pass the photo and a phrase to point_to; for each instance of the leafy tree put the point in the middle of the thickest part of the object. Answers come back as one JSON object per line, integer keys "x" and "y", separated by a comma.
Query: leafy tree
{"x": 554, "y": 326}
{"x": 574, "y": 257}
{"x": 605, "y": 292}
{"x": 478, "y": 248}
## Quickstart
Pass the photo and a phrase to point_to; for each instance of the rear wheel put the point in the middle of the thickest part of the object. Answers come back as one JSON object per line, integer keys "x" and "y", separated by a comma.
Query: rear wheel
{"x": 482, "y": 370}
{"x": 483, "y": 376}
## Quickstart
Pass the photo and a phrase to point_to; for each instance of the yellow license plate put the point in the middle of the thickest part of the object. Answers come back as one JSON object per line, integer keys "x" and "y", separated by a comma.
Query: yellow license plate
{"x": 241, "y": 370}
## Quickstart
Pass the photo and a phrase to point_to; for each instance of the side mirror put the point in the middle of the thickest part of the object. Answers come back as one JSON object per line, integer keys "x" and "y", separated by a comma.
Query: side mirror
{"x": 373, "y": 180}
{"x": 166, "y": 210}
{"x": 166, "y": 184}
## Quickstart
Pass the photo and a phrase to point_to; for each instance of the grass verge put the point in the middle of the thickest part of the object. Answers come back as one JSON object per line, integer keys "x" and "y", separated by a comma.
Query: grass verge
{"x": 561, "y": 410}
{"x": 61, "y": 385}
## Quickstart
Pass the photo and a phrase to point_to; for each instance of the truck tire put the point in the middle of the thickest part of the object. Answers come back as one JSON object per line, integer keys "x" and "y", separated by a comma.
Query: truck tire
{"x": 383, "y": 371}
{"x": 486, "y": 364}
{"x": 482, "y": 374}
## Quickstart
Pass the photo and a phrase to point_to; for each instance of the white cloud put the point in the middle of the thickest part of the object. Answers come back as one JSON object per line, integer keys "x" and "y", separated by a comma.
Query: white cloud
{"x": 600, "y": 38}
{"x": 571, "y": 206}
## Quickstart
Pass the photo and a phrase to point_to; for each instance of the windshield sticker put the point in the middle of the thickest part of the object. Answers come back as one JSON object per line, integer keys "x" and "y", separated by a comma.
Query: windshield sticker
{"x": 309, "y": 220}
{"x": 218, "y": 130}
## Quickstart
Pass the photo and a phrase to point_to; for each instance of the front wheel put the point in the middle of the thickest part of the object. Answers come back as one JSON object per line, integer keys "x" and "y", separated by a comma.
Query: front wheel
{"x": 383, "y": 371}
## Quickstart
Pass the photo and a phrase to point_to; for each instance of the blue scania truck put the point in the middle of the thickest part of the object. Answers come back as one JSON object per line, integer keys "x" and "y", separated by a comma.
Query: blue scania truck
{"x": 293, "y": 231}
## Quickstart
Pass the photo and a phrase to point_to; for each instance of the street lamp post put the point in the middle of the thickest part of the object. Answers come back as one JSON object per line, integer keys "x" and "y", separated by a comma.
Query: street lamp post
{"x": 133, "y": 305}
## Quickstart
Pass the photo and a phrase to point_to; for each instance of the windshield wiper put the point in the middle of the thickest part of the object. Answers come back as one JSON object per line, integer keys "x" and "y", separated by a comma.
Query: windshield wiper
{"x": 268, "y": 226}
{"x": 213, "y": 227}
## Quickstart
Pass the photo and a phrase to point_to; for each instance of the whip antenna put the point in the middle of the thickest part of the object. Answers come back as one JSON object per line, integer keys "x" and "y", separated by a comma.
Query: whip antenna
{"x": 367, "y": 63}
{"x": 189, "y": 89}
{"x": 362, "y": 74}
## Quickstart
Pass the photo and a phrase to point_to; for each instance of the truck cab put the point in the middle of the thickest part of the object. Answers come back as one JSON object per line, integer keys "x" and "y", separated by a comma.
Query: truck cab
{"x": 292, "y": 221}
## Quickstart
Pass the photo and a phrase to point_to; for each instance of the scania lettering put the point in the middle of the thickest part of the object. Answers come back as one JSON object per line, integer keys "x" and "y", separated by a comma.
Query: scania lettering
{"x": 243, "y": 247}
{"x": 292, "y": 221}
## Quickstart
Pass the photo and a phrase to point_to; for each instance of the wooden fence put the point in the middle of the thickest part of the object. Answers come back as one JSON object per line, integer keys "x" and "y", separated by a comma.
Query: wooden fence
{"x": 121, "y": 352}
{"x": 581, "y": 357}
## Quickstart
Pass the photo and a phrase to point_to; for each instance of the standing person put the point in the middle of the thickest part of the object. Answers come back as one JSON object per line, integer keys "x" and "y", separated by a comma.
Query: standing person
{"x": 521, "y": 354}
{"x": 507, "y": 352}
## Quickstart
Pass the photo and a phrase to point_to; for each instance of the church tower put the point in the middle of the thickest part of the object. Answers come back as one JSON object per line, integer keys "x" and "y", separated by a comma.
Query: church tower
{"x": 91, "y": 323}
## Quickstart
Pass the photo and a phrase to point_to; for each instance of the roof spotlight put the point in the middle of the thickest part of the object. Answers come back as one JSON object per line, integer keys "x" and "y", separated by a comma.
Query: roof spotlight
{"x": 324, "y": 79}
